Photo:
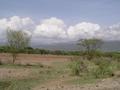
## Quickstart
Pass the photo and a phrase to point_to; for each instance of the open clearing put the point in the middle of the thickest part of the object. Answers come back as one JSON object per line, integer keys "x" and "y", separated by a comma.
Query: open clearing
{"x": 47, "y": 72}
{"x": 35, "y": 58}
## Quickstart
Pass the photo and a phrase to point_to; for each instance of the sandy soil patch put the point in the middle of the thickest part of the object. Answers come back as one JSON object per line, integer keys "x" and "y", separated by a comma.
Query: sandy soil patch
{"x": 14, "y": 73}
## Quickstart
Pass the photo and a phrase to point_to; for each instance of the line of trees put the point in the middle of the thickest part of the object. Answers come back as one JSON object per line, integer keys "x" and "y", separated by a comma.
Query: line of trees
{"x": 19, "y": 42}
{"x": 30, "y": 50}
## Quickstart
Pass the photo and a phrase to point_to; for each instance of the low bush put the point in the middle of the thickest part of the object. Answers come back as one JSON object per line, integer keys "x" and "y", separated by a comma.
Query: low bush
{"x": 77, "y": 67}
{"x": 103, "y": 69}
{"x": 1, "y": 63}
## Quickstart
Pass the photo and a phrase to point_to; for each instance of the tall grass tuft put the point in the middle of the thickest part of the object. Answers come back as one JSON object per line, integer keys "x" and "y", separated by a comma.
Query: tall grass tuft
{"x": 77, "y": 67}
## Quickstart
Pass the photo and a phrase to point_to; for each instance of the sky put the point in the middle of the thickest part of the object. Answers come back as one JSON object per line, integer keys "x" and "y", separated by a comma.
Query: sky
{"x": 56, "y": 21}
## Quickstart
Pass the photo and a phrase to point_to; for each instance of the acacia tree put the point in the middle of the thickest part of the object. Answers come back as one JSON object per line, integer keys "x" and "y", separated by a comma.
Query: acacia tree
{"x": 16, "y": 41}
{"x": 90, "y": 46}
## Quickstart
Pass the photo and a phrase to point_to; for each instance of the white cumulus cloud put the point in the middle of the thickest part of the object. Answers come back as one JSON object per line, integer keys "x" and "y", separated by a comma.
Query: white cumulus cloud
{"x": 15, "y": 23}
{"x": 54, "y": 30}
{"x": 83, "y": 30}
{"x": 111, "y": 33}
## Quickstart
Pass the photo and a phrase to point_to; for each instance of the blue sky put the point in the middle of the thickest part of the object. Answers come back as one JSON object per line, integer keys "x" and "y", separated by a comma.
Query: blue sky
{"x": 103, "y": 12}
{"x": 53, "y": 21}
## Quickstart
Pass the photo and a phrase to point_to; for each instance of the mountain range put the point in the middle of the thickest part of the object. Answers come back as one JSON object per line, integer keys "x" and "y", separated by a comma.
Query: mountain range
{"x": 107, "y": 46}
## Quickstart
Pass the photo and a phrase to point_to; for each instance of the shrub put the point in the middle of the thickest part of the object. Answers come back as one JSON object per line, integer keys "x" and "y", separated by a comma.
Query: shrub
{"x": 38, "y": 65}
{"x": 1, "y": 63}
{"x": 77, "y": 67}
{"x": 28, "y": 64}
{"x": 103, "y": 69}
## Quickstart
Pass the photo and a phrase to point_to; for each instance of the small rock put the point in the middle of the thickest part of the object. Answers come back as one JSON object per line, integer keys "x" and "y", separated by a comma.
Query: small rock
{"x": 9, "y": 71}
{"x": 47, "y": 89}
{"x": 97, "y": 85}
{"x": 62, "y": 86}
{"x": 42, "y": 87}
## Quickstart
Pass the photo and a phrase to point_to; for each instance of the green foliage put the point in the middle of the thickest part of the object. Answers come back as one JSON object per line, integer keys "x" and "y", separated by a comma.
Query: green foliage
{"x": 17, "y": 40}
{"x": 30, "y": 50}
{"x": 96, "y": 68}
{"x": 90, "y": 46}
{"x": 103, "y": 69}
{"x": 114, "y": 55}
{"x": 4, "y": 85}
{"x": 1, "y": 63}
{"x": 77, "y": 67}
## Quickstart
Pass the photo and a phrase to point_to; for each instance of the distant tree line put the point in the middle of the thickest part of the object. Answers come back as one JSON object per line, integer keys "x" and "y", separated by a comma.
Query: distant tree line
{"x": 30, "y": 50}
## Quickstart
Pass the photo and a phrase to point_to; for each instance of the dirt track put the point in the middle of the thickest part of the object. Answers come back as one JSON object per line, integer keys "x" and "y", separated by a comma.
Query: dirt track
{"x": 34, "y": 58}
{"x": 105, "y": 84}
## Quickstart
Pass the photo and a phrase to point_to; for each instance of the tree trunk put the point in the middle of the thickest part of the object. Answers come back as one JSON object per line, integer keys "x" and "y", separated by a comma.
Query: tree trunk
{"x": 14, "y": 55}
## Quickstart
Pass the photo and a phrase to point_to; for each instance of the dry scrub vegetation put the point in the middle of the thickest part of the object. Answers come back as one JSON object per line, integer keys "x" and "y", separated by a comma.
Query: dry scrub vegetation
{"x": 59, "y": 73}
{"x": 52, "y": 72}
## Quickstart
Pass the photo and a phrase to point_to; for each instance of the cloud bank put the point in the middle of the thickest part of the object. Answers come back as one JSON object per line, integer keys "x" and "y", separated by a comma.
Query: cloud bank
{"x": 54, "y": 30}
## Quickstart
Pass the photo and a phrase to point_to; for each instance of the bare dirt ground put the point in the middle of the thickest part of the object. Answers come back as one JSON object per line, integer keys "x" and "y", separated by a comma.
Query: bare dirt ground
{"x": 105, "y": 84}
{"x": 55, "y": 84}
{"x": 14, "y": 73}
{"x": 35, "y": 58}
